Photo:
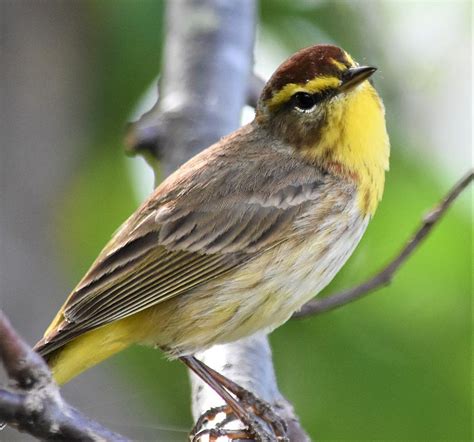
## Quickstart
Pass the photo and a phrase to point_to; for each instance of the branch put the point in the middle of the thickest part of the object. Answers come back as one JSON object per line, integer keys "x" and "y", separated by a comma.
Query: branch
{"x": 146, "y": 136}
{"x": 205, "y": 83}
{"x": 34, "y": 404}
{"x": 384, "y": 277}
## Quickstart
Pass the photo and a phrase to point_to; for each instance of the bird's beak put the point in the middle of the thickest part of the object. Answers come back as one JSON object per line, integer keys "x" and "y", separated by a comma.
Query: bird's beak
{"x": 354, "y": 76}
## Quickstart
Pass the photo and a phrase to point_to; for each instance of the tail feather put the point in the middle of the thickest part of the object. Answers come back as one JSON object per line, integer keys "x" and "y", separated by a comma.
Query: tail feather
{"x": 54, "y": 340}
{"x": 67, "y": 358}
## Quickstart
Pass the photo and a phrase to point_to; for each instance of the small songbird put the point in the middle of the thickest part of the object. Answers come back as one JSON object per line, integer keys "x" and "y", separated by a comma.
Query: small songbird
{"x": 244, "y": 233}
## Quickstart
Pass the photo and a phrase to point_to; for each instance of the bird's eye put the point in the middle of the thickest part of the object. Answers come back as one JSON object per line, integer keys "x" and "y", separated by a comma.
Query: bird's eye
{"x": 303, "y": 101}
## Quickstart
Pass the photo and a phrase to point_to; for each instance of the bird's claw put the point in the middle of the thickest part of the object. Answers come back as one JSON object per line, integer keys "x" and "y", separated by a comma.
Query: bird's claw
{"x": 265, "y": 412}
{"x": 255, "y": 431}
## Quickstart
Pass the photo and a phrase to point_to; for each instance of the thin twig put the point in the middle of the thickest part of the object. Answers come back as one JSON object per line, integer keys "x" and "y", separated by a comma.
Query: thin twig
{"x": 384, "y": 277}
{"x": 34, "y": 404}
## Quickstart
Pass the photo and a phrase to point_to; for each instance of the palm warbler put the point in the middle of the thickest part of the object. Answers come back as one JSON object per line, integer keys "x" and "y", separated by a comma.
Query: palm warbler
{"x": 243, "y": 234}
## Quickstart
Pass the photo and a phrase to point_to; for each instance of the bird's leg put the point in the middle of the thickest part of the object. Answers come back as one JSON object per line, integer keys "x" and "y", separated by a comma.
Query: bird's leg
{"x": 224, "y": 386}
{"x": 203, "y": 371}
{"x": 261, "y": 408}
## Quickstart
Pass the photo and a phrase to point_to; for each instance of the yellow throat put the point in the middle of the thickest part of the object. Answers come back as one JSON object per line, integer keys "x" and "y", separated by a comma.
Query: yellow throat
{"x": 354, "y": 142}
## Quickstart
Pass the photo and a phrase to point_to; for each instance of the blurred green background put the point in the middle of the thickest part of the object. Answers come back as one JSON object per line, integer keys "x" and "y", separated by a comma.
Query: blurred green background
{"x": 396, "y": 365}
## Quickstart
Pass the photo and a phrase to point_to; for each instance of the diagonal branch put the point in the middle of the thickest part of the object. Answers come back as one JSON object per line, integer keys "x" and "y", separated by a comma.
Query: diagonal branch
{"x": 384, "y": 277}
{"x": 34, "y": 404}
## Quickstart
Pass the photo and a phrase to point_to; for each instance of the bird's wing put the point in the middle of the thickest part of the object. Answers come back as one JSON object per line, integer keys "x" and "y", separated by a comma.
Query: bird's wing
{"x": 170, "y": 247}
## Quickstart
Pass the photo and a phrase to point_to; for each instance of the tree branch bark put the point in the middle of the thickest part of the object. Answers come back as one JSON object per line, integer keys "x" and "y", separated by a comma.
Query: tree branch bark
{"x": 34, "y": 405}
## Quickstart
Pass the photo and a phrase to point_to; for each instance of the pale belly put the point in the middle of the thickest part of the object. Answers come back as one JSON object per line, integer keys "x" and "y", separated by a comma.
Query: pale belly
{"x": 263, "y": 294}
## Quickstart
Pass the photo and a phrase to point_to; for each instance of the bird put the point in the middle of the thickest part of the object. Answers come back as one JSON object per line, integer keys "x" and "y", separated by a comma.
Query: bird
{"x": 244, "y": 233}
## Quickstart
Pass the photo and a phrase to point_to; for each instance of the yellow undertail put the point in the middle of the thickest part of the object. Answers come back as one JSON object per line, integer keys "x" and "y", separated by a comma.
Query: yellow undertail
{"x": 94, "y": 347}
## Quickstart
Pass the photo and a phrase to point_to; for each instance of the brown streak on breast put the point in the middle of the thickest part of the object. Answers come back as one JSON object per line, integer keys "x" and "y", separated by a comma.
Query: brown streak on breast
{"x": 366, "y": 201}
{"x": 339, "y": 169}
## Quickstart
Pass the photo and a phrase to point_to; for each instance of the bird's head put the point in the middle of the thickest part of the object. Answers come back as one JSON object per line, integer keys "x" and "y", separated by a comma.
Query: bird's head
{"x": 320, "y": 104}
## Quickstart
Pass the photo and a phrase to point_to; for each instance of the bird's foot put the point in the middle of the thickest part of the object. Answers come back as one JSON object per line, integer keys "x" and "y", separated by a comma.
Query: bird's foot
{"x": 260, "y": 416}
{"x": 226, "y": 417}
{"x": 265, "y": 412}
{"x": 257, "y": 409}
{"x": 262, "y": 423}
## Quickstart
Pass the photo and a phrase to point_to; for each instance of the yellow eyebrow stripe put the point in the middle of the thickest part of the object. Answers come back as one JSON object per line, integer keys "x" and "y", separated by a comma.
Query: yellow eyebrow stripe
{"x": 311, "y": 87}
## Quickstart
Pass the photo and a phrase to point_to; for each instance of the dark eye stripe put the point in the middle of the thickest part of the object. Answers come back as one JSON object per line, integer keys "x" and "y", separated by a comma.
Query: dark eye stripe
{"x": 305, "y": 101}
